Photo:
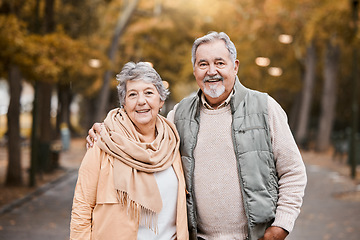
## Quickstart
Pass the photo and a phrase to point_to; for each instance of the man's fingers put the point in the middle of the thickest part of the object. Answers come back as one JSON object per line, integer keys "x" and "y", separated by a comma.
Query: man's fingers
{"x": 97, "y": 127}
{"x": 92, "y": 135}
{"x": 89, "y": 142}
{"x": 91, "y": 132}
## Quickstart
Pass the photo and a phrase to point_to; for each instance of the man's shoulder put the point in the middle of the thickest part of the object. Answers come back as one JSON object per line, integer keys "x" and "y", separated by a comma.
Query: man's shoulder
{"x": 257, "y": 100}
{"x": 187, "y": 103}
{"x": 190, "y": 98}
{"x": 258, "y": 93}
{"x": 186, "y": 108}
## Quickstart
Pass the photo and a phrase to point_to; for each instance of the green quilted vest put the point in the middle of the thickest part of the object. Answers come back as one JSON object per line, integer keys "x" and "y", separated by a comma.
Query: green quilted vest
{"x": 253, "y": 150}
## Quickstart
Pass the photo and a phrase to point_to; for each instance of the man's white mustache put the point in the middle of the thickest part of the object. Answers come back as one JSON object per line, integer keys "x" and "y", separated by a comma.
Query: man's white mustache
{"x": 209, "y": 78}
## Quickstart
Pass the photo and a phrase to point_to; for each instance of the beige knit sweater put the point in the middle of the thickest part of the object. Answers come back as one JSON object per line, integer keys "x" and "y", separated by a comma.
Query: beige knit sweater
{"x": 218, "y": 196}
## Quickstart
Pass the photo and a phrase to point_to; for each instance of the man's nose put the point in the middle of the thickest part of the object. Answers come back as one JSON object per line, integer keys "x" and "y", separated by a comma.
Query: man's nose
{"x": 212, "y": 70}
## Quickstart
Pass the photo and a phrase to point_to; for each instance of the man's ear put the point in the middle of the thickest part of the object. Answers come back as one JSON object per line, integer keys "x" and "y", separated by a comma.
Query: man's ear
{"x": 236, "y": 66}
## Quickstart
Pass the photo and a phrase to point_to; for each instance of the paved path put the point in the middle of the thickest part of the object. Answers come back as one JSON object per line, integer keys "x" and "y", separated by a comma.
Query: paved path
{"x": 45, "y": 217}
{"x": 324, "y": 215}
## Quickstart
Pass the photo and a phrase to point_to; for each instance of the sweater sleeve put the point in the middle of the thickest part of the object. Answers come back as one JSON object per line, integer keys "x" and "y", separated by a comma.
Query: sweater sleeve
{"x": 290, "y": 168}
{"x": 85, "y": 195}
{"x": 171, "y": 115}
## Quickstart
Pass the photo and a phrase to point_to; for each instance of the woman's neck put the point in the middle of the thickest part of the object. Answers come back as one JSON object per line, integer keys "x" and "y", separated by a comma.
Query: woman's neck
{"x": 147, "y": 135}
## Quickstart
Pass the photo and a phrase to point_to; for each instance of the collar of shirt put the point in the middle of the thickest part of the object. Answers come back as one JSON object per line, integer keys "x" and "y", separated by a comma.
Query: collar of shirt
{"x": 224, "y": 104}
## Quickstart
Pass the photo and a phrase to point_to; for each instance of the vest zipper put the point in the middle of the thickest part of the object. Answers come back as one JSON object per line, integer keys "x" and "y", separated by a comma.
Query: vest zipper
{"x": 240, "y": 176}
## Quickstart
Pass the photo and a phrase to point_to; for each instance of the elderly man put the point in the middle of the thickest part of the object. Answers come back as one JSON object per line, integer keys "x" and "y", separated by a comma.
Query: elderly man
{"x": 244, "y": 174}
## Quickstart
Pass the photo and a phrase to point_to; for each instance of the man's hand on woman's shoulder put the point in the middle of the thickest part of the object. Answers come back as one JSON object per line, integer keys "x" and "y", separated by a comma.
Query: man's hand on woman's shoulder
{"x": 91, "y": 137}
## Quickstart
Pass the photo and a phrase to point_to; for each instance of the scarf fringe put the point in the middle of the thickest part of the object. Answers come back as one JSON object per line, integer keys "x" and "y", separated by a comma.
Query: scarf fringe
{"x": 144, "y": 216}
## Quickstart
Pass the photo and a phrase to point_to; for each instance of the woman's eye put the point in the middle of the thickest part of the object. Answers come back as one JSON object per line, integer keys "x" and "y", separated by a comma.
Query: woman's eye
{"x": 149, "y": 93}
{"x": 132, "y": 94}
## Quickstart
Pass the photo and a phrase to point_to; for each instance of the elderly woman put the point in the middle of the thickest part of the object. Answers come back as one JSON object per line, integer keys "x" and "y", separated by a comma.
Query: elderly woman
{"x": 131, "y": 184}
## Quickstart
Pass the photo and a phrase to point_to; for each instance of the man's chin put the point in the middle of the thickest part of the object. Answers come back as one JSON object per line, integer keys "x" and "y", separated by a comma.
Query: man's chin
{"x": 213, "y": 93}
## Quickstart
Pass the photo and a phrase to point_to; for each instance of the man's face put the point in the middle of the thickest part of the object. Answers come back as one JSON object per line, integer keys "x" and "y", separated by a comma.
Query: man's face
{"x": 214, "y": 71}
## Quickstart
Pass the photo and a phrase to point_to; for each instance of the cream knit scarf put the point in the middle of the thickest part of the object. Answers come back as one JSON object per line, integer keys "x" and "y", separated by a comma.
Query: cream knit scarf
{"x": 135, "y": 162}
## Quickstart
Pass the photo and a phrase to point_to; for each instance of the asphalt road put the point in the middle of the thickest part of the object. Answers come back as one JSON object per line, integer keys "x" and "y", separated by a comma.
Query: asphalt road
{"x": 44, "y": 217}
{"x": 331, "y": 209}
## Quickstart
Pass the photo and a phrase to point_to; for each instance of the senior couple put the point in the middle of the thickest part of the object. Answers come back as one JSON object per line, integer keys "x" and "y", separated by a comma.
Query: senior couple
{"x": 222, "y": 165}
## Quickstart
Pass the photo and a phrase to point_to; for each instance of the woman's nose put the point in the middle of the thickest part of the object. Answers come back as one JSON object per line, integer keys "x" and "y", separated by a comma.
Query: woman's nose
{"x": 141, "y": 99}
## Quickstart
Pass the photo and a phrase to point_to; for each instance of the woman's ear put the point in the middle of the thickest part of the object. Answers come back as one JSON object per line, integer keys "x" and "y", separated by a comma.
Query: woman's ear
{"x": 161, "y": 105}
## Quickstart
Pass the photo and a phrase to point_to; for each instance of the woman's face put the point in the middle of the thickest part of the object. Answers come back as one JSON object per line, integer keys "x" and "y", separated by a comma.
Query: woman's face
{"x": 142, "y": 103}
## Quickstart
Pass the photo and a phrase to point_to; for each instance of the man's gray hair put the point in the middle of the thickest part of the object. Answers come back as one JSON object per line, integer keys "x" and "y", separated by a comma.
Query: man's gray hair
{"x": 212, "y": 36}
{"x": 139, "y": 71}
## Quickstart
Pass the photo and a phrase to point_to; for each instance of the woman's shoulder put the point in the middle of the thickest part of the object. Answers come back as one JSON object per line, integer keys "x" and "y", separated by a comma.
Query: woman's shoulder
{"x": 93, "y": 157}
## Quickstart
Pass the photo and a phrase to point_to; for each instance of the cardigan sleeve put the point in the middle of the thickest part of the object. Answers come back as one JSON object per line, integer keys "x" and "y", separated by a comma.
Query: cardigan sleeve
{"x": 290, "y": 168}
{"x": 85, "y": 195}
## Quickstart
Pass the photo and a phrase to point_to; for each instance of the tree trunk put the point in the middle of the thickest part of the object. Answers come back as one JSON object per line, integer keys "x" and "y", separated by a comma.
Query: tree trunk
{"x": 329, "y": 97}
{"x": 306, "y": 96}
{"x": 64, "y": 101}
{"x": 49, "y": 23}
{"x": 123, "y": 21}
{"x": 35, "y": 133}
{"x": 45, "y": 125}
{"x": 294, "y": 112}
{"x": 45, "y": 89}
{"x": 87, "y": 112}
{"x": 14, "y": 170}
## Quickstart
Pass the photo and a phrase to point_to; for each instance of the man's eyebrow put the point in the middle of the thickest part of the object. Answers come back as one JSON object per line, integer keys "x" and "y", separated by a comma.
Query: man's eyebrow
{"x": 216, "y": 59}
{"x": 202, "y": 60}
{"x": 219, "y": 58}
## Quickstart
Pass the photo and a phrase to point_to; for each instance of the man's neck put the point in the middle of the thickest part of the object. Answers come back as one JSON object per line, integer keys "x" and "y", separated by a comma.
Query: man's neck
{"x": 215, "y": 103}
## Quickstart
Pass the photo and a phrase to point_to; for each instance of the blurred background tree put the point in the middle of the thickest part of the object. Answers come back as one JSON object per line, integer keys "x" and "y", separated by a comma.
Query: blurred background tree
{"x": 298, "y": 52}
{"x": 44, "y": 58}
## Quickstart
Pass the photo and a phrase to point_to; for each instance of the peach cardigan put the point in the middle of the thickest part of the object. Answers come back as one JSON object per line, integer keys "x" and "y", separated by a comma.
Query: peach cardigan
{"x": 96, "y": 212}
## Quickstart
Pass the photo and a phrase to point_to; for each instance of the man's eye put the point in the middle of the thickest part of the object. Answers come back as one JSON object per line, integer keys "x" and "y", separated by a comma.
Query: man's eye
{"x": 220, "y": 64}
{"x": 202, "y": 65}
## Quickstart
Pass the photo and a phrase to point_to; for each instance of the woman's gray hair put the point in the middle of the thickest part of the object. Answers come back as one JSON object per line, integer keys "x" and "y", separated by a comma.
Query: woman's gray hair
{"x": 139, "y": 71}
{"x": 211, "y": 37}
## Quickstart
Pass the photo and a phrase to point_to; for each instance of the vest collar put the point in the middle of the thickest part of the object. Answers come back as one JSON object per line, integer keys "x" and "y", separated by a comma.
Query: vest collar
{"x": 208, "y": 106}
{"x": 236, "y": 96}
{"x": 239, "y": 94}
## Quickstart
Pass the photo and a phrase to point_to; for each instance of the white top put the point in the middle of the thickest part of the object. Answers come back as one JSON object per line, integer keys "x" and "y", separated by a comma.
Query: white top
{"x": 166, "y": 223}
